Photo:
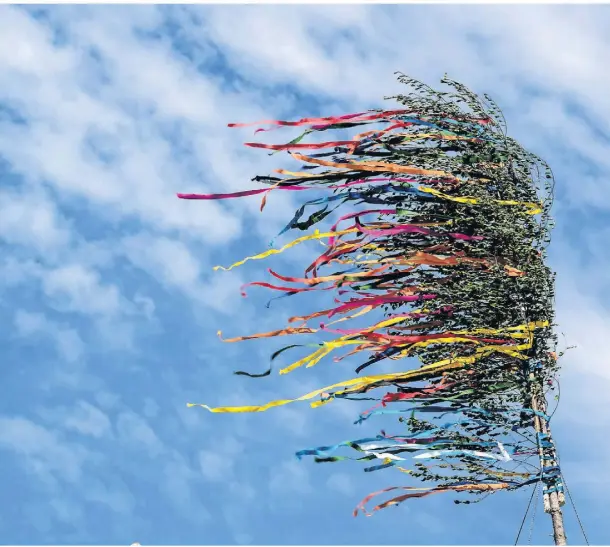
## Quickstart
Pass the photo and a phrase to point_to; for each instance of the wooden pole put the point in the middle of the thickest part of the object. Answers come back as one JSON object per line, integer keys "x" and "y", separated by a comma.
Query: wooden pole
{"x": 554, "y": 500}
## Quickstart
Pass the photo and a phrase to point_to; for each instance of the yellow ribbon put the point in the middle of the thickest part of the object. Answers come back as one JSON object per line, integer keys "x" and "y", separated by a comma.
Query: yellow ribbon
{"x": 315, "y": 235}
{"x": 315, "y": 357}
{"x": 534, "y": 208}
{"x": 355, "y": 384}
{"x": 298, "y": 174}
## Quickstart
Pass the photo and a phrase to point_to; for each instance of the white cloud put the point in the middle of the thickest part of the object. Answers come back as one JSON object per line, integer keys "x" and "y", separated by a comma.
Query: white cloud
{"x": 170, "y": 260}
{"x": 30, "y": 323}
{"x": 67, "y": 341}
{"x": 79, "y": 289}
{"x": 87, "y": 419}
{"x": 144, "y": 174}
{"x": 134, "y": 430}
{"x": 42, "y": 451}
{"x": 217, "y": 463}
{"x": 341, "y": 483}
{"x": 214, "y": 466}
{"x": 179, "y": 266}
{"x": 66, "y": 510}
{"x": 112, "y": 493}
{"x": 179, "y": 484}
{"x": 290, "y": 478}
{"x": 32, "y": 220}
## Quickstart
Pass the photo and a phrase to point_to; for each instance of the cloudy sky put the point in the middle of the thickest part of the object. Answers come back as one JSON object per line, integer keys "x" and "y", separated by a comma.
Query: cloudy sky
{"x": 110, "y": 306}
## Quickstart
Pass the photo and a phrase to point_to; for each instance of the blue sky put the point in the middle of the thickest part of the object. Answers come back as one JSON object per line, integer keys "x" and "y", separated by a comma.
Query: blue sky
{"x": 110, "y": 306}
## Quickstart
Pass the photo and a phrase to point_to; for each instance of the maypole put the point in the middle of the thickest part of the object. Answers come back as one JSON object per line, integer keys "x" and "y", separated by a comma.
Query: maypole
{"x": 443, "y": 246}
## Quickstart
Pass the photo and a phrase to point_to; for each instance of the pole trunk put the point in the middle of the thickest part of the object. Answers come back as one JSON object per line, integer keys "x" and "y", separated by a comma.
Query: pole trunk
{"x": 553, "y": 496}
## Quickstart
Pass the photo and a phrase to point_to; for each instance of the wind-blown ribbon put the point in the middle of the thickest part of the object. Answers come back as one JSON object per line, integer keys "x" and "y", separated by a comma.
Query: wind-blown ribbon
{"x": 446, "y": 251}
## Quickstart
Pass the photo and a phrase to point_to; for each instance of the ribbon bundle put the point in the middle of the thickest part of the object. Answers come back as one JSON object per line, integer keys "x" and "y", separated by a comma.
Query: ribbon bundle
{"x": 444, "y": 243}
